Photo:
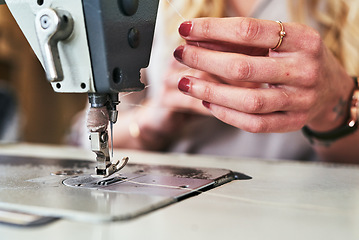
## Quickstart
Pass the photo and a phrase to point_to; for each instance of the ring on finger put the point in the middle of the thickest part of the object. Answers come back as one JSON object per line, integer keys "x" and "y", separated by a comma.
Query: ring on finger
{"x": 282, "y": 34}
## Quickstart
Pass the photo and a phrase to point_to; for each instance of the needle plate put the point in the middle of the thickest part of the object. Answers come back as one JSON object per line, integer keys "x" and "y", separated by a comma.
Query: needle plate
{"x": 63, "y": 188}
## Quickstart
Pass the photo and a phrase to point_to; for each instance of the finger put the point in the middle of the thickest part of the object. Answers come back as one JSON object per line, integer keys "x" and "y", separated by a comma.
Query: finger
{"x": 248, "y": 100}
{"x": 177, "y": 102}
{"x": 230, "y": 47}
{"x": 238, "y": 67}
{"x": 171, "y": 79}
{"x": 243, "y": 31}
{"x": 258, "y": 123}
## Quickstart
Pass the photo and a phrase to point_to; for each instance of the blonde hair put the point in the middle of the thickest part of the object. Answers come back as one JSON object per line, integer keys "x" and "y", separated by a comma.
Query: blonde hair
{"x": 338, "y": 20}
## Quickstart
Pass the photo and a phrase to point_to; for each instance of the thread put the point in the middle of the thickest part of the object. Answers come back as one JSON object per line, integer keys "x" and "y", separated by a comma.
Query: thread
{"x": 176, "y": 10}
{"x": 97, "y": 119}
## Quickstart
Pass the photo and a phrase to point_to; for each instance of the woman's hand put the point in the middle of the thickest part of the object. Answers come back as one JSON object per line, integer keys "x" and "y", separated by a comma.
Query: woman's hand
{"x": 301, "y": 82}
{"x": 171, "y": 99}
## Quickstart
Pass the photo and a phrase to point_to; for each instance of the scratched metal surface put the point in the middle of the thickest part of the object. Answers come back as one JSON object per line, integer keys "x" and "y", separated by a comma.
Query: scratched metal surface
{"x": 29, "y": 185}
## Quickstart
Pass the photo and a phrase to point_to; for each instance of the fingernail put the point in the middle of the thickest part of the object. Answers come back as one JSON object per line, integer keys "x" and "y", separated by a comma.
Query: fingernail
{"x": 178, "y": 53}
{"x": 185, "y": 28}
{"x": 184, "y": 84}
{"x": 206, "y": 104}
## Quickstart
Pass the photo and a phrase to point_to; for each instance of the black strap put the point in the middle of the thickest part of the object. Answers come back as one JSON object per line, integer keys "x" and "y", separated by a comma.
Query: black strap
{"x": 331, "y": 136}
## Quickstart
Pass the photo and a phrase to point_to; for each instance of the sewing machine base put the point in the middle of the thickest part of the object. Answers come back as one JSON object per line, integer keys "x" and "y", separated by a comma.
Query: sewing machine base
{"x": 65, "y": 188}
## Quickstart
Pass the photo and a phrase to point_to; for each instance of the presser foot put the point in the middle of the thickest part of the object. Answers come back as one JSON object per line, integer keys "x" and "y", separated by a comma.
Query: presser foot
{"x": 112, "y": 168}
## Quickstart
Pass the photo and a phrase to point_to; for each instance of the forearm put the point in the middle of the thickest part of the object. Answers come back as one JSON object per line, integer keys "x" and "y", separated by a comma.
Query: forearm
{"x": 344, "y": 150}
{"x": 149, "y": 127}
{"x": 128, "y": 133}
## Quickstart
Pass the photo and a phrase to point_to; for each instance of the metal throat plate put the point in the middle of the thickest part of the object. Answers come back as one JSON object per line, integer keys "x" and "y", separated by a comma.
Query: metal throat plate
{"x": 63, "y": 188}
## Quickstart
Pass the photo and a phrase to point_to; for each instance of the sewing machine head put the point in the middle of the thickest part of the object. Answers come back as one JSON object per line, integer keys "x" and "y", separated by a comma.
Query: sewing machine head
{"x": 91, "y": 46}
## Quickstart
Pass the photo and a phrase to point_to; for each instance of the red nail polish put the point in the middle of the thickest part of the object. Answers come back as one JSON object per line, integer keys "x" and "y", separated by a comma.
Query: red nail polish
{"x": 185, "y": 28}
{"x": 206, "y": 104}
{"x": 184, "y": 84}
{"x": 178, "y": 53}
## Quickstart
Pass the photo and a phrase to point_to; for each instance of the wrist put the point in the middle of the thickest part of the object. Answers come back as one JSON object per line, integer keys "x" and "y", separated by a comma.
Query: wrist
{"x": 348, "y": 126}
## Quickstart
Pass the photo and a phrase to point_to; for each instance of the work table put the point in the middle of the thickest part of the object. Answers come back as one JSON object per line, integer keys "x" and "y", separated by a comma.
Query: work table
{"x": 283, "y": 200}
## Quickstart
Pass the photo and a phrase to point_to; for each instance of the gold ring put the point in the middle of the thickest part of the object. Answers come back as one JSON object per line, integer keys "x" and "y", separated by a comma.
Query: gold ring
{"x": 282, "y": 34}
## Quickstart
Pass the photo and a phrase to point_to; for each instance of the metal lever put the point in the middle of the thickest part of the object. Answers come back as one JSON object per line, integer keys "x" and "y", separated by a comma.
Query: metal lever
{"x": 52, "y": 26}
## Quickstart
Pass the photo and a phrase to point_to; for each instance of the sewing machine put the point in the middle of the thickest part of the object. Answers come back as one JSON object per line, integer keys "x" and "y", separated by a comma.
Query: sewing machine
{"x": 91, "y": 46}
{"x": 96, "y": 47}
{"x": 285, "y": 199}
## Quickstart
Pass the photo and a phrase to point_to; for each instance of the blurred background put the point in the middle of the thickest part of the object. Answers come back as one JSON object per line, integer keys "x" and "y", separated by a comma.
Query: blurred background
{"x": 43, "y": 115}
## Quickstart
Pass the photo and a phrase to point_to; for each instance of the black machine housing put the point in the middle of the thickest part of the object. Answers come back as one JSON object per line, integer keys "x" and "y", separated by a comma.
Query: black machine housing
{"x": 120, "y": 36}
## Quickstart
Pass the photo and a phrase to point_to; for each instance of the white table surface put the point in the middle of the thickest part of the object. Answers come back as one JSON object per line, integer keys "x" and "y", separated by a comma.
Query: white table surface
{"x": 283, "y": 200}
